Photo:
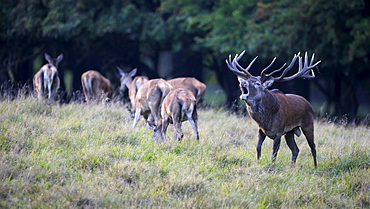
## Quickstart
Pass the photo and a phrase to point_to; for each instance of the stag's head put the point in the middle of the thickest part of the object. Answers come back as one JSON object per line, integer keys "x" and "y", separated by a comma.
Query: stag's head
{"x": 126, "y": 78}
{"x": 254, "y": 87}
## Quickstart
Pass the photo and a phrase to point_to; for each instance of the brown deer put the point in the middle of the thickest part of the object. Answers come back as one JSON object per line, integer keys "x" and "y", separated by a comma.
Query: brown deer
{"x": 149, "y": 99}
{"x": 192, "y": 84}
{"x": 178, "y": 106}
{"x": 277, "y": 114}
{"x": 96, "y": 87}
{"x": 46, "y": 81}
{"x": 131, "y": 84}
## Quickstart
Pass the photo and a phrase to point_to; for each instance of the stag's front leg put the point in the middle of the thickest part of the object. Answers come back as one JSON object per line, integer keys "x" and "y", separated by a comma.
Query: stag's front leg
{"x": 261, "y": 139}
{"x": 276, "y": 147}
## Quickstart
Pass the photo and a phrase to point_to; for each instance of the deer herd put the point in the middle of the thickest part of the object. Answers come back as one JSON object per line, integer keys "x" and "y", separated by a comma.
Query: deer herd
{"x": 162, "y": 102}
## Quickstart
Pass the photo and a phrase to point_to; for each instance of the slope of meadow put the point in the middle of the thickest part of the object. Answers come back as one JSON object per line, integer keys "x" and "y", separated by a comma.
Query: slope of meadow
{"x": 90, "y": 157}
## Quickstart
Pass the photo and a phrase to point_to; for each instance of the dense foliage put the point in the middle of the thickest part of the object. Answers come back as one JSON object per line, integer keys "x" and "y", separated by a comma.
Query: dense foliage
{"x": 194, "y": 35}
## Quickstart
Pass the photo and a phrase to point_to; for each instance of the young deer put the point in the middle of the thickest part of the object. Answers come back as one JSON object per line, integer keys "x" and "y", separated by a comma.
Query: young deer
{"x": 277, "y": 114}
{"x": 132, "y": 85}
{"x": 96, "y": 87}
{"x": 178, "y": 106}
{"x": 149, "y": 99}
{"x": 46, "y": 80}
{"x": 192, "y": 84}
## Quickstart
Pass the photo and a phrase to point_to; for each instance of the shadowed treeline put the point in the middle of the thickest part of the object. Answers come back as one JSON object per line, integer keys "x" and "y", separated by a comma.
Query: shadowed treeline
{"x": 193, "y": 38}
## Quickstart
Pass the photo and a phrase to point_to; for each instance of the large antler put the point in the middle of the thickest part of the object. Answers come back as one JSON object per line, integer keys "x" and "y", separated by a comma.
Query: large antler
{"x": 303, "y": 70}
{"x": 235, "y": 67}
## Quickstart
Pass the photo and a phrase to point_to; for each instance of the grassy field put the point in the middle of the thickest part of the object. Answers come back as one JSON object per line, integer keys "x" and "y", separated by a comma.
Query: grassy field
{"x": 79, "y": 156}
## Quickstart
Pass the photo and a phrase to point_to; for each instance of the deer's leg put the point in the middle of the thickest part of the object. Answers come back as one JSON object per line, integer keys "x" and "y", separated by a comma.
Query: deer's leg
{"x": 261, "y": 139}
{"x": 55, "y": 87}
{"x": 154, "y": 107}
{"x": 176, "y": 118}
{"x": 289, "y": 138}
{"x": 308, "y": 131}
{"x": 275, "y": 148}
{"x": 137, "y": 116}
{"x": 193, "y": 120}
{"x": 165, "y": 123}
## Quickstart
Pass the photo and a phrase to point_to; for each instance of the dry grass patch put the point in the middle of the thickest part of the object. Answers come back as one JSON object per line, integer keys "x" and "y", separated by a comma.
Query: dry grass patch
{"x": 84, "y": 156}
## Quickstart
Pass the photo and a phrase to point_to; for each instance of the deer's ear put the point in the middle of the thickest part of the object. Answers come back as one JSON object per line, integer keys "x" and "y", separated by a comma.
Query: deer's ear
{"x": 268, "y": 83}
{"x": 60, "y": 57}
{"x": 133, "y": 72}
{"x": 120, "y": 71}
{"x": 47, "y": 57}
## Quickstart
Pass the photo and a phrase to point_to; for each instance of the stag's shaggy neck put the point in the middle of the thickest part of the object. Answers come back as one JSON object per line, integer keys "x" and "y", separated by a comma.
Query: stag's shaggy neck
{"x": 264, "y": 109}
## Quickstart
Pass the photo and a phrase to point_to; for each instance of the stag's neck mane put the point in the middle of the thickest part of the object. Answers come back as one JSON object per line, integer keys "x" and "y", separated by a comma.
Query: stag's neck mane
{"x": 263, "y": 111}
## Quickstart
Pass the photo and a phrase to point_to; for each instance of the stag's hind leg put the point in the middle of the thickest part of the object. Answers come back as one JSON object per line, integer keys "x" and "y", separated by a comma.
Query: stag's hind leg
{"x": 276, "y": 147}
{"x": 308, "y": 131}
{"x": 289, "y": 138}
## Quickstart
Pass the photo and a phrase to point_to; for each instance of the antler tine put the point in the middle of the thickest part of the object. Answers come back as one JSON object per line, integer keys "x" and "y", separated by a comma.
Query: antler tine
{"x": 231, "y": 64}
{"x": 304, "y": 70}
{"x": 245, "y": 70}
{"x": 275, "y": 71}
{"x": 314, "y": 65}
{"x": 235, "y": 67}
{"x": 266, "y": 68}
{"x": 308, "y": 69}
{"x": 280, "y": 78}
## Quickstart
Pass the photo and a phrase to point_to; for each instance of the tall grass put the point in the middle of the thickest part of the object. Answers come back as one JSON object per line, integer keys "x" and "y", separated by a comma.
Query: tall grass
{"x": 77, "y": 155}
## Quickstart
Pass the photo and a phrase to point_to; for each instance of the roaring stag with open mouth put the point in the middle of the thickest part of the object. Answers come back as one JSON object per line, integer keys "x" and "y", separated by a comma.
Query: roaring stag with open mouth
{"x": 276, "y": 113}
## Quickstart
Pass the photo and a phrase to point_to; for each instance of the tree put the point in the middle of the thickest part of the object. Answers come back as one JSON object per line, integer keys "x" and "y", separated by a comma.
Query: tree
{"x": 196, "y": 34}
{"x": 337, "y": 31}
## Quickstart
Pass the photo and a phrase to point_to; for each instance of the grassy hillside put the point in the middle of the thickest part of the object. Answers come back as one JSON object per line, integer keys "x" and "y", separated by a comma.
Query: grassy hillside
{"x": 90, "y": 157}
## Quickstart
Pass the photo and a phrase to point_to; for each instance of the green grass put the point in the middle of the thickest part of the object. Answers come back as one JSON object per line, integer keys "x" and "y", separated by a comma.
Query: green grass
{"x": 80, "y": 156}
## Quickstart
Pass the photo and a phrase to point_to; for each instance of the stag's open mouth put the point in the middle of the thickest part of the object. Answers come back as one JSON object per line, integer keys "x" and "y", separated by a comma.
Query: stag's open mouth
{"x": 244, "y": 94}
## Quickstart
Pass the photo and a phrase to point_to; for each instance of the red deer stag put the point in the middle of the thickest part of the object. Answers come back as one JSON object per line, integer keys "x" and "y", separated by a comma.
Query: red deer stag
{"x": 131, "y": 84}
{"x": 178, "y": 106}
{"x": 277, "y": 114}
{"x": 149, "y": 99}
{"x": 192, "y": 84}
{"x": 46, "y": 80}
{"x": 96, "y": 87}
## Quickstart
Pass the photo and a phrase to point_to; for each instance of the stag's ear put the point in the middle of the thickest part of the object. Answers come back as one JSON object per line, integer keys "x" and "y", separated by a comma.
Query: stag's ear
{"x": 268, "y": 83}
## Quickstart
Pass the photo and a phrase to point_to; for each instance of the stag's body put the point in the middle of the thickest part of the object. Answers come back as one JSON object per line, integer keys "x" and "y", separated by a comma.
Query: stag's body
{"x": 192, "y": 84}
{"x": 46, "y": 81}
{"x": 277, "y": 114}
{"x": 132, "y": 84}
{"x": 96, "y": 87}
{"x": 149, "y": 99}
{"x": 178, "y": 106}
